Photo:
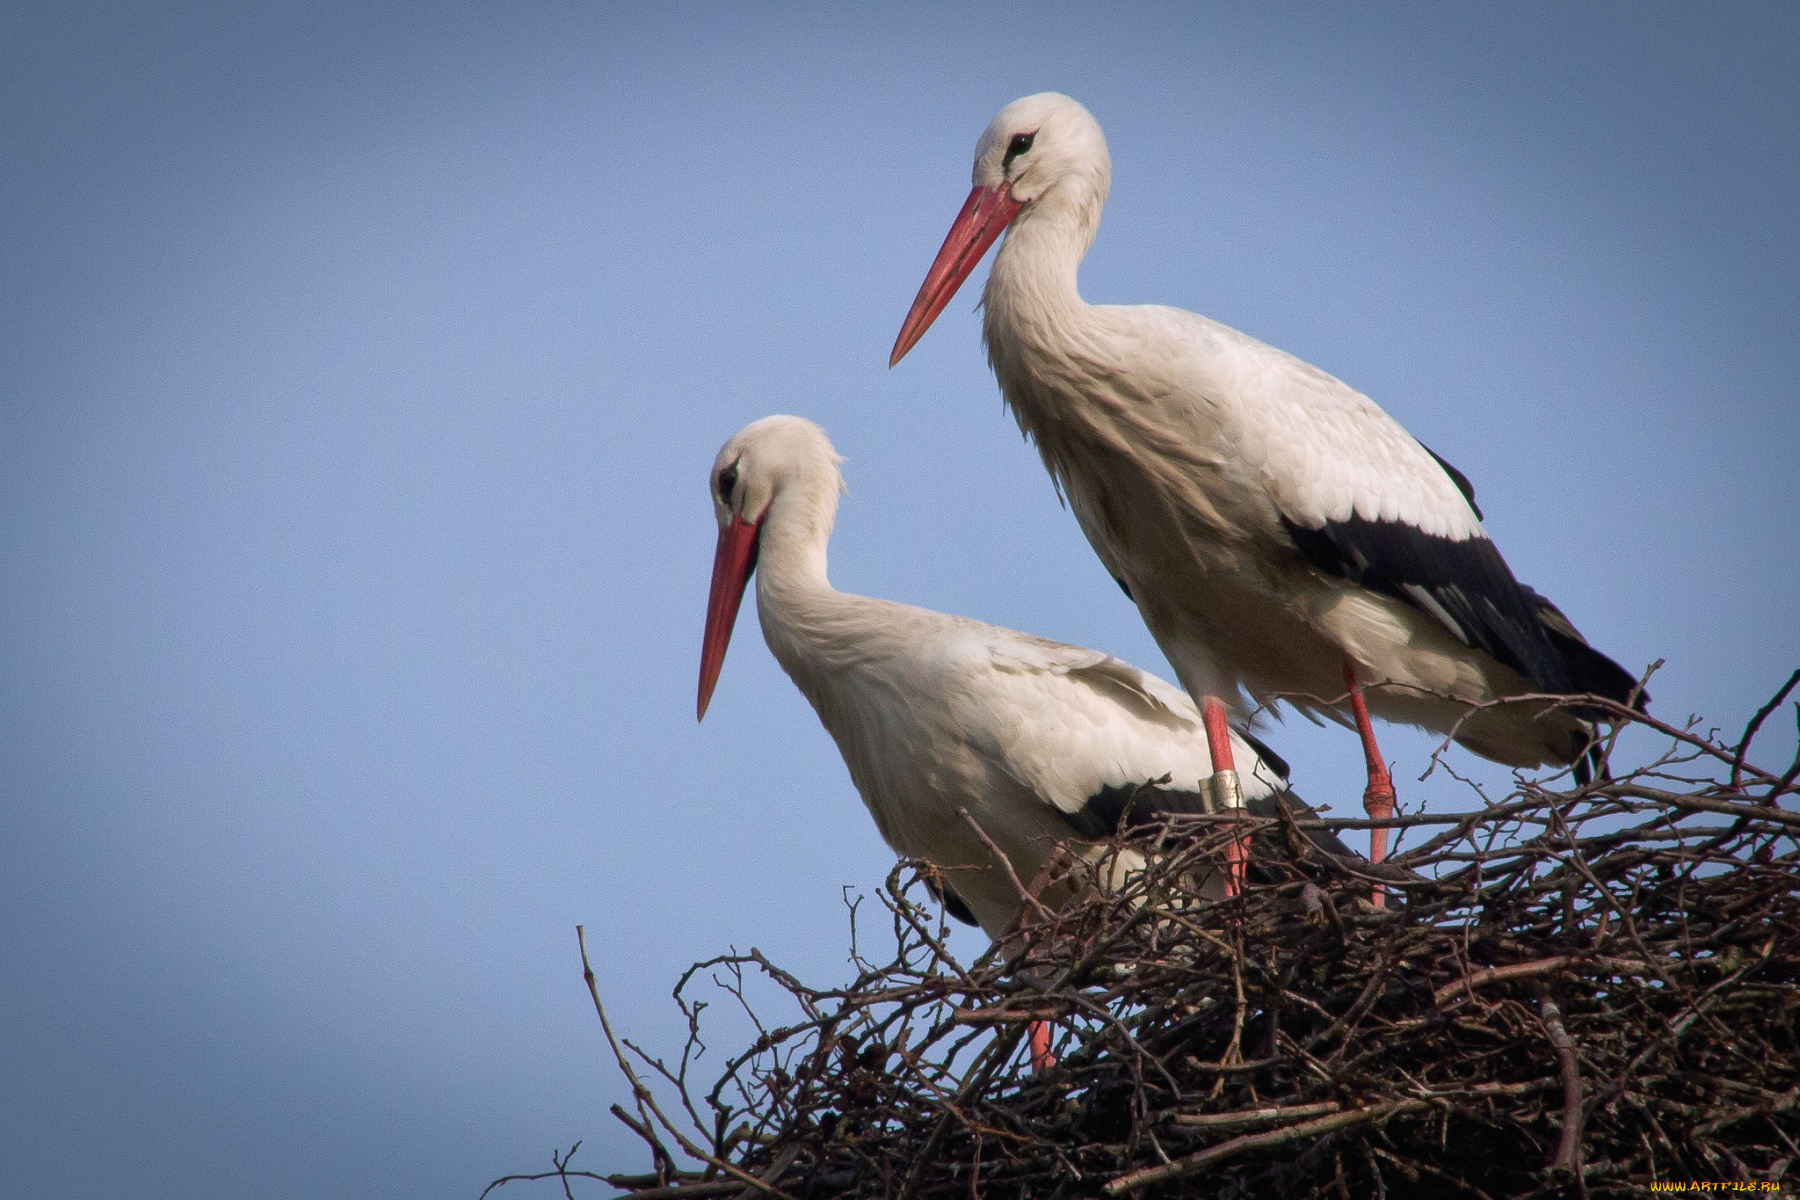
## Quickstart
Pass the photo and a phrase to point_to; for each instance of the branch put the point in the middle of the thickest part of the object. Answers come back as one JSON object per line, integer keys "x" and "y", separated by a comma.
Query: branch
{"x": 1762, "y": 714}
{"x": 1026, "y": 897}
{"x": 1568, "y": 1148}
{"x": 647, "y": 1099}
{"x": 1543, "y": 966}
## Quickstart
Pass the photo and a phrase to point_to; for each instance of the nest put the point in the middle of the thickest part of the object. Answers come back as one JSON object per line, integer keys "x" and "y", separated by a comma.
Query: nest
{"x": 1592, "y": 991}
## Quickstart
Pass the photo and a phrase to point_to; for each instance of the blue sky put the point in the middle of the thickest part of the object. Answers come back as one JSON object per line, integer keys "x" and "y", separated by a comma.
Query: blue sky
{"x": 360, "y": 370}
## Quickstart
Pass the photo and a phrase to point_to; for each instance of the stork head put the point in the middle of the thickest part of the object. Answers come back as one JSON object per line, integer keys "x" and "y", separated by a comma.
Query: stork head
{"x": 1040, "y": 154}
{"x": 1034, "y": 144}
{"x": 779, "y": 473}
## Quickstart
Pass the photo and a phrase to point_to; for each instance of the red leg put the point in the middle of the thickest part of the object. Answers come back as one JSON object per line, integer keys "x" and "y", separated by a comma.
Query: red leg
{"x": 1039, "y": 1034}
{"x": 1227, "y": 792}
{"x": 1378, "y": 799}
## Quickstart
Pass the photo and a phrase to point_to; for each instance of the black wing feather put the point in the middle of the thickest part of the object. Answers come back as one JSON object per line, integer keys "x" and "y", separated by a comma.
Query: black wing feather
{"x": 1487, "y": 607}
{"x": 1113, "y": 810}
{"x": 1458, "y": 478}
{"x": 953, "y": 903}
{"x": 1475, "y": 597}
{"x": 1272, "y": 760}
{"x": 1594, "y": 673}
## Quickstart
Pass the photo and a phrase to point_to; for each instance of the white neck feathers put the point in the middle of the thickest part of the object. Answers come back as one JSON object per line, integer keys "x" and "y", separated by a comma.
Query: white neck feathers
{"x": 795, "y": 535}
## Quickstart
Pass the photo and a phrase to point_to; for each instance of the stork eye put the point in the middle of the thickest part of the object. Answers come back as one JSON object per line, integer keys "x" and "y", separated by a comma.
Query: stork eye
{"x": 727, "y": 482}
{"x": 1021, "y": 142}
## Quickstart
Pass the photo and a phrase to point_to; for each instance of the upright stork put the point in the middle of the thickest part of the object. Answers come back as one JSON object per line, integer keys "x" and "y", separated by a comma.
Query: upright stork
{"x": 976, "y": 749}
{"x": 1279, "y": 533}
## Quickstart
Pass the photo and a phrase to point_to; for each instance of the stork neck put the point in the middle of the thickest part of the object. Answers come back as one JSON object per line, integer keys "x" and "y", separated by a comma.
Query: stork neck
{"x": 1034, "y": 273}
{"x": 791, "y": 560}
{"x": 807, "y": 623}
{"x": 1033, "y": 278}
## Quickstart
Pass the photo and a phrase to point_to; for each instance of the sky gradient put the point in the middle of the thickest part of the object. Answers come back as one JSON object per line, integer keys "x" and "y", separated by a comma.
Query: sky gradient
{"x": 360, "y": 371}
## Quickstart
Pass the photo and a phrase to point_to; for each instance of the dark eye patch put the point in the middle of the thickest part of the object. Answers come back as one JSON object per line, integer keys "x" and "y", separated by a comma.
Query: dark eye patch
{"x": 727, "y": 482}
{"x": 1021, "y": 143}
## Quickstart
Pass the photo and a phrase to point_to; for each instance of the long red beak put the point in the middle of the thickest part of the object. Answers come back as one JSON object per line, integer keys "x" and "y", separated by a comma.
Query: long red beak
{"x": 984, "y": 216}
{"x": 733, "y": 563}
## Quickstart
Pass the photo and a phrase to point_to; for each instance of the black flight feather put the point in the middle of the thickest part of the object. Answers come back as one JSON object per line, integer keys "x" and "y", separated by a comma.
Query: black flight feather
{"x": 953, "y": 903}
{"x": 1468, "y": 588}
{"x": 1113, "y": 810}
{"x": 1593, "y": 672}
{"x": 1458, "y": 478}
{"x": 1272, "y": 760}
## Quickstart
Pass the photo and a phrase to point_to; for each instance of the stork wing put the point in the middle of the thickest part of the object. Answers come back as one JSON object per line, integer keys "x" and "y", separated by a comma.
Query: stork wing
{"x": 1464, "y": 585}
{"x": 1068, "y": 723}
{"x": 1145, "y": 696}
{"x": 1361, "y": 499}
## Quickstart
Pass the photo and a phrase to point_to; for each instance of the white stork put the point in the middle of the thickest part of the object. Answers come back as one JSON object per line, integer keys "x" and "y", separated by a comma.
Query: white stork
{"x": 1279, "y": 533}
{"x": 966, "y": 741}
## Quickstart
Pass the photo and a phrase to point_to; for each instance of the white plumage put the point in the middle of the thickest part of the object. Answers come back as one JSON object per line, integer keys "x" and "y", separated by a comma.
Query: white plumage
{"x": 1275, "y": 528}
{"x": 936, "y": 713}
